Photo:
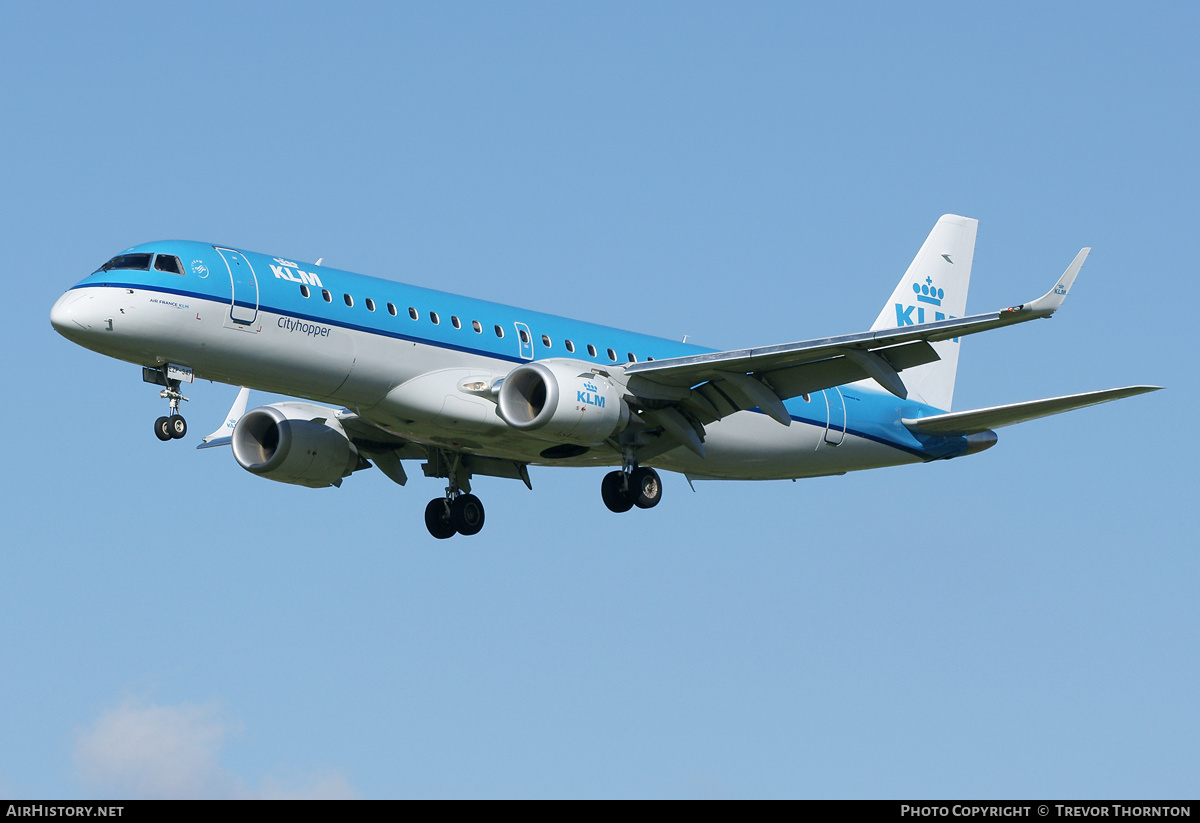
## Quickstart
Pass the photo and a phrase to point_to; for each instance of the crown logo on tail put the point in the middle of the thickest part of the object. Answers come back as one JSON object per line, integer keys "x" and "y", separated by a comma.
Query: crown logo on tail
{"x": 928, "y": 293}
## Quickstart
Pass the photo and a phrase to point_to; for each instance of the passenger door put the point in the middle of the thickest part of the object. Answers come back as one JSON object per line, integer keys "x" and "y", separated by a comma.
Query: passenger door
{"x": 243, "y": 287}
{"x": 524, "y": 341}
{"x": 835, "y": 429}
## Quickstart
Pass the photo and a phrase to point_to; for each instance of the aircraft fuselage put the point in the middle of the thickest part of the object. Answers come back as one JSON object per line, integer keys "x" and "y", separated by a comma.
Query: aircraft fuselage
{"x": 412, "y": 360}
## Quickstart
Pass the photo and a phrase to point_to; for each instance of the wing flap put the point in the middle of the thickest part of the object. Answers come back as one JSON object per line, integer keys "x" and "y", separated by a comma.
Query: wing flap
{"x": 995, "y": 417}
{"x": 723, "y": 394}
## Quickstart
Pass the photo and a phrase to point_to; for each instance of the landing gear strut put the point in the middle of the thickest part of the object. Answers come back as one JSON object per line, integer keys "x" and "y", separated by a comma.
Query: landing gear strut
{"x": 459, "y": 512}
{"x": 631, "y": 486}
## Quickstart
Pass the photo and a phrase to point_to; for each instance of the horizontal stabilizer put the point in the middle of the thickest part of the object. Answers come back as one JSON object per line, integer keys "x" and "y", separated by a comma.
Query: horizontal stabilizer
{"x": 980, "y": 420}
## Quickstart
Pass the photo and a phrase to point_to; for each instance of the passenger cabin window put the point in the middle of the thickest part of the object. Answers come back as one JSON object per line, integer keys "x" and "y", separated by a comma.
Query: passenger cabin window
{"x": 591, "y": 350}
{"x": 524, "y": 335}
{"x": 632, "y": 359}
{"x": 455, "y": 322}
{"x": 304, "y": 292}
{"x": 478, "y": 328}
{"x": 136, "y": 262}
{"x": 392, "y": 309}
{"x": 349, "y": 300}
{"x": 370, "y": 304}
{"x": 570, "y": 346}
{"x": 412, "y": 313}
{"x": 499, "y": 331}
{"x": 433, "y": 317}
{"x": 612, "y": 355}
{"x": 168, "y": 263}
{"x": 546, "y": 340}
{"x": 326, "y": 295}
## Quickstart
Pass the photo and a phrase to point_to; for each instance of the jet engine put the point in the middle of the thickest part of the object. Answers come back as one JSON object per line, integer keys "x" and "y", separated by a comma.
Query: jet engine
{"x": 294, "y": 443}
{"x": 562, "y": 401}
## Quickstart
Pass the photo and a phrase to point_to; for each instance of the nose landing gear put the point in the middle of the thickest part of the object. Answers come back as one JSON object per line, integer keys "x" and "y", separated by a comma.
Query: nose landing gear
{"x": 172, "y": 426}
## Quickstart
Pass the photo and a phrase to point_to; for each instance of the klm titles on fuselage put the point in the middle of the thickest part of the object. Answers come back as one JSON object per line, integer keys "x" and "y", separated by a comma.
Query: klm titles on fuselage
{"x": 589, "y": 396}
{"x": 283, "y": 271}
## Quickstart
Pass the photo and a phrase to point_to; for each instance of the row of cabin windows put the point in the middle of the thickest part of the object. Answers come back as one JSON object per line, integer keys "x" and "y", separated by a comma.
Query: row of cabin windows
{"x": 454, "y": 321}
{"x": 172, "y": 264}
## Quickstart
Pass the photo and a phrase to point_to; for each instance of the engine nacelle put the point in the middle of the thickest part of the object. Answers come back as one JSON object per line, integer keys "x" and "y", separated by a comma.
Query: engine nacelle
{"x": 294, "y": 443}
{"x": 562, "y": 401}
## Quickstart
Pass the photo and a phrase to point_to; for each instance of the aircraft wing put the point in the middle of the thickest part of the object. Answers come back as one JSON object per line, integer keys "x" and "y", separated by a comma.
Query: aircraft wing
{"x": 979, "y": 420}
{"x": 714, "y": 385}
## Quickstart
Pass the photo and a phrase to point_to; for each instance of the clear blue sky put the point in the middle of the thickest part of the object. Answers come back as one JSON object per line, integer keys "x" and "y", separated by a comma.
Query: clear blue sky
{"x": 1019, "y": 623}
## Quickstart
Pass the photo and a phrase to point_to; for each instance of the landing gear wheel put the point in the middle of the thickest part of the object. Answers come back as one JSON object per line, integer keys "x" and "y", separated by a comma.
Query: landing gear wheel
{"x": 162, "y": 428}
{"x": 466, "y": 513}
{"x": 616, "y": 497}
{"x": 645, "y": 487}
{"x": 437, "y": 519}
{"x": 178, "y": 427}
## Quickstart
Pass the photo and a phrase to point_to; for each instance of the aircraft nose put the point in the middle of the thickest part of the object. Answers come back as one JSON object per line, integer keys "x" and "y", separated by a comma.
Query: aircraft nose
{"x": 66, "y": 316}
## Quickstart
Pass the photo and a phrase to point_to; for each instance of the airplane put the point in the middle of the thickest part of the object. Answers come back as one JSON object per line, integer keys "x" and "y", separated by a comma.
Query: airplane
{"x": 470, "y": 387}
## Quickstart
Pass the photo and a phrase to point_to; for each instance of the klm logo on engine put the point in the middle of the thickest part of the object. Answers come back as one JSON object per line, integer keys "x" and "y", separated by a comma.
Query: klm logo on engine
{"x": 589, "y": 396}
{"x": 926, "y": 294}
{"x": 284, "y": 272}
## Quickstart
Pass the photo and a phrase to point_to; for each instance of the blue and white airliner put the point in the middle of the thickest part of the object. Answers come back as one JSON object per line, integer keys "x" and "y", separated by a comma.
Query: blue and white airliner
{"x": 469, "y": 387}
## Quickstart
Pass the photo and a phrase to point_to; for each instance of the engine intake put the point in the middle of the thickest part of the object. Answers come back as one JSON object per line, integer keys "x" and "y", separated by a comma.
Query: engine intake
{"x": 562, "y": 401}
{"x": 294, "y": 443}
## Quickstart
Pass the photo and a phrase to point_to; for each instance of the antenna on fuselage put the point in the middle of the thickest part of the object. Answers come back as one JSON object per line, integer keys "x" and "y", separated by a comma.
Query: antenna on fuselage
{"x": 319, "y": 259}
{"x": 685, "y": 337}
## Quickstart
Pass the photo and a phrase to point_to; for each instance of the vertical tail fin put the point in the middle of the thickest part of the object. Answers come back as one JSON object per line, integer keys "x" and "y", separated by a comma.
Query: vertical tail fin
{"x": 934, "y": 288}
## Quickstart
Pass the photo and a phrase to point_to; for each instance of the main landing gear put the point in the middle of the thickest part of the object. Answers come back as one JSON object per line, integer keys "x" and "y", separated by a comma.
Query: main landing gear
{"x": 459, "y": 512}
{"x": 624, "y": 489}
{"x": 448, "y": 516}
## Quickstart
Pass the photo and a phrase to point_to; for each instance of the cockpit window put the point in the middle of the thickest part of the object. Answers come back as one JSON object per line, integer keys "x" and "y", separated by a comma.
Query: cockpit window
{"x": 138, "y": 262}
{"x": 168, "y": 263}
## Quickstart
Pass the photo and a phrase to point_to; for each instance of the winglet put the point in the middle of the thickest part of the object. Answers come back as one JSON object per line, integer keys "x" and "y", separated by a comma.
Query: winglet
{"x": 1049, "y": 302}
{"x": 223, "y": 436}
